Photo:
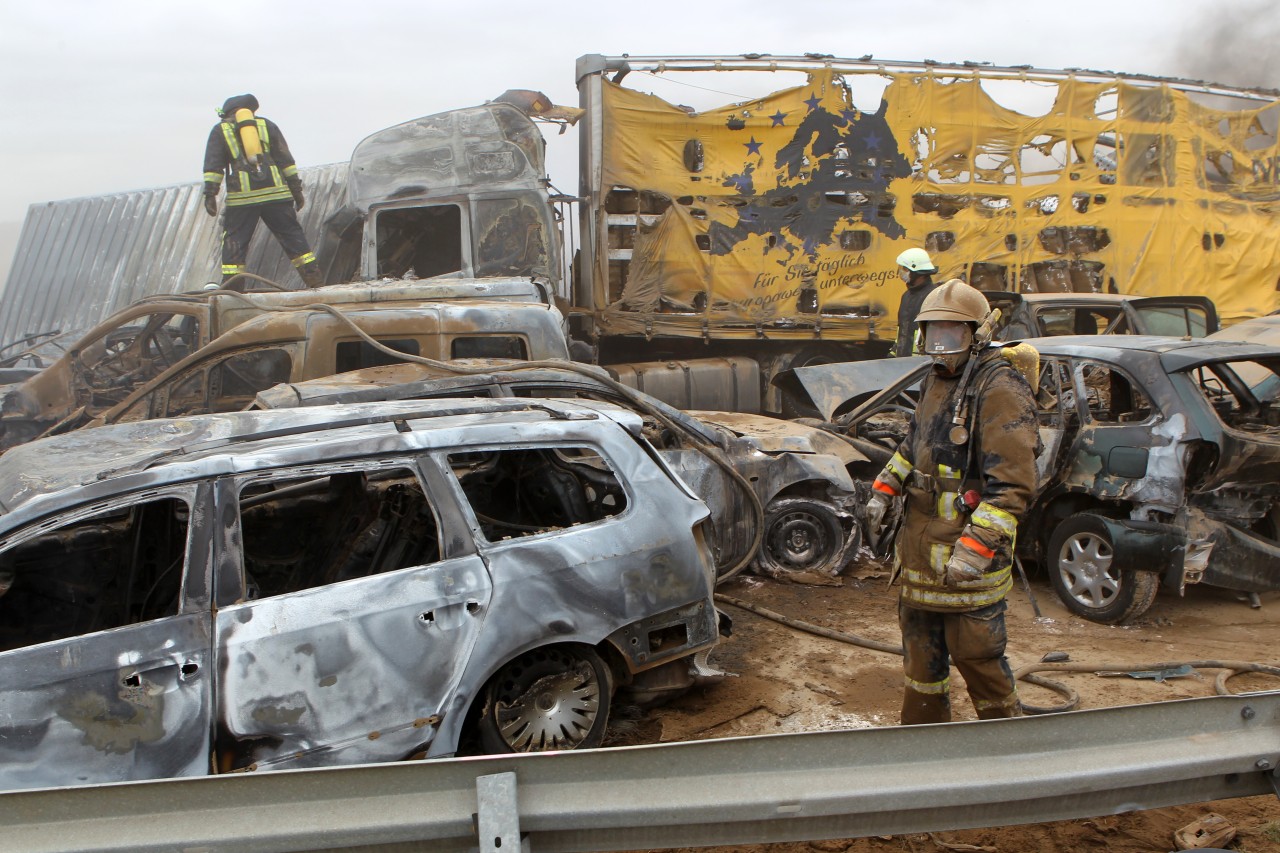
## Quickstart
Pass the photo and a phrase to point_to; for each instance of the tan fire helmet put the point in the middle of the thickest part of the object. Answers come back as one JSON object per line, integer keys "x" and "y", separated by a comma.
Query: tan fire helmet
{"x": 948, "y": 319}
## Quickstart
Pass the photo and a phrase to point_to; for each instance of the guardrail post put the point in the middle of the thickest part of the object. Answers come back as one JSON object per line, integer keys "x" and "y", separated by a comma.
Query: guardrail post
{"x": 497, "y": 815}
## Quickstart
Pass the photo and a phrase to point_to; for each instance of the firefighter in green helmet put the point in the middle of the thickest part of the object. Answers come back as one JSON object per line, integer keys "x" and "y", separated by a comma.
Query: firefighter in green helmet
{"x": 967, "y": 470}
{"x": 262, "y": 184}
{"x": 916, "y": 269}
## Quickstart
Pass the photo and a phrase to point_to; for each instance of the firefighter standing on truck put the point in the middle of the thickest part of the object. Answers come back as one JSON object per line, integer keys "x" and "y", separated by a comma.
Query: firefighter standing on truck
{"x": 262, "y": 183}
{"x": 967, "y": 468}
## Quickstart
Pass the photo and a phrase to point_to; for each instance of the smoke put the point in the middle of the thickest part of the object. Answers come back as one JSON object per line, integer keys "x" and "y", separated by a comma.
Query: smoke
{"x": 1232, "y": 43}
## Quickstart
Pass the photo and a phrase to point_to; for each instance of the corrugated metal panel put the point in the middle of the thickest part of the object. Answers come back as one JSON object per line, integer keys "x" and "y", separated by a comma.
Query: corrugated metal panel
{"x": 80, "y": 259}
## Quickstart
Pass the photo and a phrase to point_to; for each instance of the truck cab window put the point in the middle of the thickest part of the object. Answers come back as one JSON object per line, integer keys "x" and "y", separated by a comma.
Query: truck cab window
{"x": 424, "y": 241}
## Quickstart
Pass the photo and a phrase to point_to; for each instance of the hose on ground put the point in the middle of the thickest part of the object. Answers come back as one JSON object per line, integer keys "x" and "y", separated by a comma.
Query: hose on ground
{"x": 1228, "y": 668}
{"x": 809, "y": 627}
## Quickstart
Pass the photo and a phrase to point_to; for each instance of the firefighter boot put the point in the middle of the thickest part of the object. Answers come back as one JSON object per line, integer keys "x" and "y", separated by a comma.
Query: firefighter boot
{"x": 311, "y": 275}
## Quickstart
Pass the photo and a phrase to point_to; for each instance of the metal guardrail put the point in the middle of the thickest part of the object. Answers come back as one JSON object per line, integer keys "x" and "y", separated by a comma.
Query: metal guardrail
{"x": 744, "y": 790}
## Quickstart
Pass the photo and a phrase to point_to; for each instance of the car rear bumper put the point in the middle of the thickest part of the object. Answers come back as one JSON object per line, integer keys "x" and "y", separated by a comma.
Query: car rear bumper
{"x": 1203, "y": 550}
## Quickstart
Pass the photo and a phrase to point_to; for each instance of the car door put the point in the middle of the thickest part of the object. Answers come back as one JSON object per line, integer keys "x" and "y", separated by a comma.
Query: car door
{"x": 1113, "y": 448}
{"x": 105, "y": 631}
{"x": 349, "y": 607}
{"x": 110, "y": 367}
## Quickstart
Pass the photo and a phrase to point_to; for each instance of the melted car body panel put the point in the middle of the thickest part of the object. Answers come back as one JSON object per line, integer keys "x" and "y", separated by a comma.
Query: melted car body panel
{"x": 275, "y": 647}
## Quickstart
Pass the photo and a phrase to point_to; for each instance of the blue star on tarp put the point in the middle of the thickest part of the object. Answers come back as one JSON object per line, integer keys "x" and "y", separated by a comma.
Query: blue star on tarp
{"x": 753, "y": 147}
{"x": 872, "y": 140}
{"x": 813, "y": 102}
{"x": 777, "y": 118}
{"x": 849, "y": 115}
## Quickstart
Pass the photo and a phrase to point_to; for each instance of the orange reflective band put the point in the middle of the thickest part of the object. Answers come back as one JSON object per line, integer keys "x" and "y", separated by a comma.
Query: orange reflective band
{"x": 880, "y": 486}
{"x": 977, "y": 547}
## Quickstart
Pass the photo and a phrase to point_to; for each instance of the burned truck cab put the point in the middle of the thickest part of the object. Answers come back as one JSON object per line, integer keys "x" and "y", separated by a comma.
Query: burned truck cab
{"x": 462, "y": 193}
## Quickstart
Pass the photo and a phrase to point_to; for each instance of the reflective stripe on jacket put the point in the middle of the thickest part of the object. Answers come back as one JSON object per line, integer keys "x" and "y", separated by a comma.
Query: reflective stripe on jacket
{"x": 223, "y": 157}
{"x": 931, "y": 470}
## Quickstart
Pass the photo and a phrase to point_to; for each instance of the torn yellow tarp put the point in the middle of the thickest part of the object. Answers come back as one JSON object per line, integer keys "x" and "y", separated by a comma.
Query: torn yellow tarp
{"x": 793, "y": 207}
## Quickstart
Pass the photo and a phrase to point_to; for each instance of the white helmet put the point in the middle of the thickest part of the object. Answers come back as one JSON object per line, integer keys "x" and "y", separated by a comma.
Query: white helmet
{"x": 917, "y": 260}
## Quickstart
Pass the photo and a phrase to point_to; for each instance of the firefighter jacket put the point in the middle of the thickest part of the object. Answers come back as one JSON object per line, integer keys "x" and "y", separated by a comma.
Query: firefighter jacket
{"x": 245, "y": 185}
{"x": 912, "y": 298}
{"x": 998, "y": 461}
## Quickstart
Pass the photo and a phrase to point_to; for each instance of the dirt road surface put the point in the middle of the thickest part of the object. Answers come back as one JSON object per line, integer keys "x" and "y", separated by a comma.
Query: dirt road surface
{"x": 790, "y": 681}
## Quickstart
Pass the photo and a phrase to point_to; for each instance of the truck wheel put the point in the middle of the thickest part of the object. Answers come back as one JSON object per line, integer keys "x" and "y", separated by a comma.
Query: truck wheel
{"x": 801, "y": 535}
{"x": 553, "y": 698}
{"x": 1086, "y": 577}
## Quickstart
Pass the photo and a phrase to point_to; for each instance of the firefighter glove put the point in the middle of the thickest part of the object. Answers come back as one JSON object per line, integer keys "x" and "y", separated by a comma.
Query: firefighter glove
{"x": 295, "y": 187}
{"x": 874, "y": 513}
{"x": 967, "y": 564}
{"x": 211, "y": 204}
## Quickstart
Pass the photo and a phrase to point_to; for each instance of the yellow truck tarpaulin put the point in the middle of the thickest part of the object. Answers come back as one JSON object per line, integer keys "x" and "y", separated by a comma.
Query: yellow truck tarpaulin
{"x": 793, "y": 207}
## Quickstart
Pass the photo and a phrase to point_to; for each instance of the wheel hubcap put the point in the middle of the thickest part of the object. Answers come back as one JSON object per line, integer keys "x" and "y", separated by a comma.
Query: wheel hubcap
{"x": 1087, "y": 571}
{"x": 556, "y": 712}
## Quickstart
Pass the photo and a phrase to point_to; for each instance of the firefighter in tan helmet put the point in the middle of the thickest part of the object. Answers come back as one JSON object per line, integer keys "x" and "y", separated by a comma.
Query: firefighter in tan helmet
{"x": 967, "y": 470}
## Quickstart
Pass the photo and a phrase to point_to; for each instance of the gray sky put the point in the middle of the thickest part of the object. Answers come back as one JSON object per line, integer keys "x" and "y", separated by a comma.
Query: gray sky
{"x": 110, "y": 95}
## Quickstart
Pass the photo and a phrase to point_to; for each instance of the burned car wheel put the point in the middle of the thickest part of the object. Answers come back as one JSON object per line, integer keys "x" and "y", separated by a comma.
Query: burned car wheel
{"x": 801, "y": 535}
{"x": 547, "y": 699}
{"x": 1084, "y": 573}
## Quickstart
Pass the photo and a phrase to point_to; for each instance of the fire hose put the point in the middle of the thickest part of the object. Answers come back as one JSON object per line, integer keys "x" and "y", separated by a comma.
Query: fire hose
{"x": 1227, "y": 668}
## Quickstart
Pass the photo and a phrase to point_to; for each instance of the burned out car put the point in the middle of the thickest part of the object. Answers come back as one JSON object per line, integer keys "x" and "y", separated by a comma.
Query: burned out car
{"x": 802, "y": 476}
{"x": 263, "y": 590}
{"x": 1035, "y": 315}
{"x": 133, "y": 353}
{"x": 1161, "y": 466}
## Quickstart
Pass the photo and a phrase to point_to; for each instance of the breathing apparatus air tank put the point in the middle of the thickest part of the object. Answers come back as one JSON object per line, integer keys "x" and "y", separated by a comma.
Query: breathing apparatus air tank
{"x": 250, "y": 142}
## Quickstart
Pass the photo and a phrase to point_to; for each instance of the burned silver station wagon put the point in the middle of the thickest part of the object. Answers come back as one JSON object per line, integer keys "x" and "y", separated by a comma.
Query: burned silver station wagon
{"x": 337, "y": 585}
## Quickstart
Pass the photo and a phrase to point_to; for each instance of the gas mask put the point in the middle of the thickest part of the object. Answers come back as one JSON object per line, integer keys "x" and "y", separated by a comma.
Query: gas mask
{"x": 947, "y": 342}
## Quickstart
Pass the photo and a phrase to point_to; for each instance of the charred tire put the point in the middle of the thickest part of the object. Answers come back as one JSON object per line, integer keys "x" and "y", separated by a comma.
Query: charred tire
{"x": 800, "y": 535}
{"x": 552, "y": 698}
{"x": 1081, "y": 561}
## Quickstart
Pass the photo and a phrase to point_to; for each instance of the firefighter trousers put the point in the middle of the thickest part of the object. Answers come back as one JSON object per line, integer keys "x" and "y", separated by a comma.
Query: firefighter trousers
{"x": 975, "y": 640}
{"x": 279, "y": 216}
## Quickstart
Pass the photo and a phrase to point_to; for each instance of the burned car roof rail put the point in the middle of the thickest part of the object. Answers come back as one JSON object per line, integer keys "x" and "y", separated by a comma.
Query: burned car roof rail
{"x": 400, "y": 419}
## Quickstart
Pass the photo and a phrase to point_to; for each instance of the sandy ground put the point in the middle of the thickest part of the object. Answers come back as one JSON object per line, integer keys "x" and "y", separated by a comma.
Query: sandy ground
{"x": 791, "y": 681}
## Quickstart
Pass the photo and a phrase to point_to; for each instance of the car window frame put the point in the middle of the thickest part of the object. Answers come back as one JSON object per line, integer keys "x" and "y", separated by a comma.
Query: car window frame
{"x": 192, "y": 597}
{"x": 440, "y": 456}
{"x": 230, "y": 486}
{"x": 1082, "y": 406}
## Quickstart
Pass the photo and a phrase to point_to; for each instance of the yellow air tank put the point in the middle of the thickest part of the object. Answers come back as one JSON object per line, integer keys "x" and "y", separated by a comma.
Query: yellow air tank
{"x": 247, "y": 127}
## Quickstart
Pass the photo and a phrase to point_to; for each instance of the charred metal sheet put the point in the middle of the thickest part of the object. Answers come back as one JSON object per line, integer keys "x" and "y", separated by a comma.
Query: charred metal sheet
{"x": 79, "y": 260}
{"x": 493, "y": 146}
{"x": 1241, "y": 559}
{"x": 830, "y": 386}
{"x": 772, "y": 435}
